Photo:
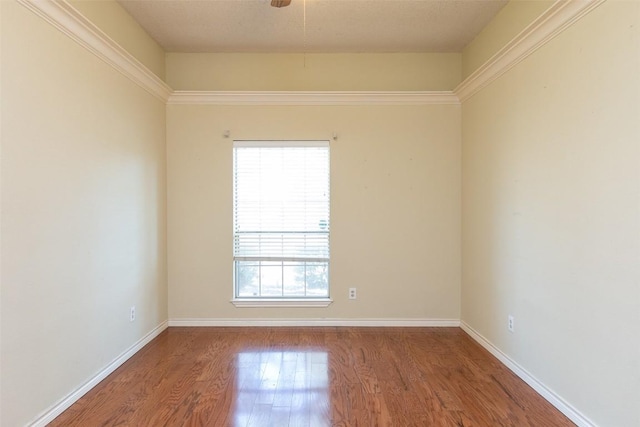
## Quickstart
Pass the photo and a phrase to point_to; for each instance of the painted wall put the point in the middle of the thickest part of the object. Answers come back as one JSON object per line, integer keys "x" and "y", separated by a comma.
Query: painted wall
{"x": 116, "y": 22}
{"x": 395, "y": 207}
{"x": 551, "y": 214}
{"x": 245, "y": 71}
{"x": 82, "y": 218}
{"x": 551, "y": 191}
{"x": 508, "y": 23}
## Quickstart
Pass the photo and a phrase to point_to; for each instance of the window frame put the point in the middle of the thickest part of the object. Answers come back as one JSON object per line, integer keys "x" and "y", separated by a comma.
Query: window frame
{"x": 282, "y": 300}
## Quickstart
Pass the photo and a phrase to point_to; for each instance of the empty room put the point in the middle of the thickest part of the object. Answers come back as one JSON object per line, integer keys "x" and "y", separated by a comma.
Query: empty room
{"x": 320, "y": 213}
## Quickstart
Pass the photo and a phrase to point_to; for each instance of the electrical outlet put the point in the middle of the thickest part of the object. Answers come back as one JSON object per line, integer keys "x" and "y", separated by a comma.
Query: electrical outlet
{"x": 352, "y": 293}
{"x": 510, "y": 324}
{"x": 132, "y": 313}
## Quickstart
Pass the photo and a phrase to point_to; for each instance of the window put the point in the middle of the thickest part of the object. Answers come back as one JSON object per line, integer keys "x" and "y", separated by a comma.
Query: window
{"x": 281, "y": 220}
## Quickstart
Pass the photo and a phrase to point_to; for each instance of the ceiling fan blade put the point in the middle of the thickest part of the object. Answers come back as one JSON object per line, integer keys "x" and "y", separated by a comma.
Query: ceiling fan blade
{"x": 280, "y": 3}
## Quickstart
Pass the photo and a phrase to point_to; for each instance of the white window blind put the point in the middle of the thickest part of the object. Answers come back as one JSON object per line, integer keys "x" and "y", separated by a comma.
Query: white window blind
{"x": 281, "y": 218}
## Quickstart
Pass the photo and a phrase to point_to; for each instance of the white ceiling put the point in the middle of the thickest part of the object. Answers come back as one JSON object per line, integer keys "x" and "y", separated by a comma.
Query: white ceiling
{"x": 330, "y": 25}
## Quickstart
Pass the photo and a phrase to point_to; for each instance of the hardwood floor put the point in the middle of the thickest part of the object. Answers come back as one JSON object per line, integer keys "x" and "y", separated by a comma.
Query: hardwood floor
{"x": 312, "y": 377}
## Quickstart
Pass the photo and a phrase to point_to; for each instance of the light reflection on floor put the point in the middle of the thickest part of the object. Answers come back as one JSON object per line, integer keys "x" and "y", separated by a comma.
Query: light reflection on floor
{"x": 280, "y": 388}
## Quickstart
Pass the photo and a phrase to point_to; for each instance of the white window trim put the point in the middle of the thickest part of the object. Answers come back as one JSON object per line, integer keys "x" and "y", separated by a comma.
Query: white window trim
{"x": 276, "y": 302}
{"x": 297, "y": 302}
{"x": 278, "y": 144}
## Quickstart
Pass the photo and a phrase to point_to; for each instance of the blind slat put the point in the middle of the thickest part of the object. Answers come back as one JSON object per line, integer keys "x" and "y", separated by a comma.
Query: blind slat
{"x": 281, "y": 200}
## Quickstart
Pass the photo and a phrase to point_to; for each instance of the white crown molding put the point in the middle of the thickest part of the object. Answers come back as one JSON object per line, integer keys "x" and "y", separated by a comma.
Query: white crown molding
{"x": 71, "y": 22}
{"x": 249, "y": 322}
{"x": 313, "y": 98}
{"x": 563, "y": 406}
{"x": 51, "y": 413}
{"x": 561, "y": 15}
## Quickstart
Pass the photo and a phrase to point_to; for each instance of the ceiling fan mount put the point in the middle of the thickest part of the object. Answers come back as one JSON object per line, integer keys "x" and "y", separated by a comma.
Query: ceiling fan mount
{"x": 280, "y": 3}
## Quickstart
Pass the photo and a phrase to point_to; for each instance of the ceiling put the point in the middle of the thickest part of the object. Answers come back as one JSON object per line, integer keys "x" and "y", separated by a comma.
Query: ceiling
{"x": 327, "y": 26}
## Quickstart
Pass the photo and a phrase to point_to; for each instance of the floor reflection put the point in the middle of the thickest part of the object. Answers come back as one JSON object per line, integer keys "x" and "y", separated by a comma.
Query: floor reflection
{"x": 281, "y": 388}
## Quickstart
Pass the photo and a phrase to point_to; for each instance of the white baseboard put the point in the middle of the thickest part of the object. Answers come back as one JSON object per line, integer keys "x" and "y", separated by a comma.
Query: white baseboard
{"x": 429, "y": 323}
{"x": 71, "y": 398}
{"x": 572, "y": 413}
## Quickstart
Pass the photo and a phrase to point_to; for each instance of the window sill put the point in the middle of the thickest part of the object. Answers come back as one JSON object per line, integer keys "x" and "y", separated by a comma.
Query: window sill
{"x": 248, "y": 302}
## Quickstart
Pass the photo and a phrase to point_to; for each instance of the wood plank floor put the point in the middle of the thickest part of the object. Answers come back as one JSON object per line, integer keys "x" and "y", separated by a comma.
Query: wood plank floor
{"x": 312, "y": 377}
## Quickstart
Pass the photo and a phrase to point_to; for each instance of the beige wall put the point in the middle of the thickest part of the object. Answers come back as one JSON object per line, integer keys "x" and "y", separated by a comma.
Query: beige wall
{"x": 116, "y": 22}
{"x": 245, "y": 71}
{"x": 509, "y": 22}
{"x": 82, "y": 218}
{"x": 550, "y": 194}
{"x": 551, "y": 214}
{"x": 1, "y": 136}
{"x": 395, "y": 207}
